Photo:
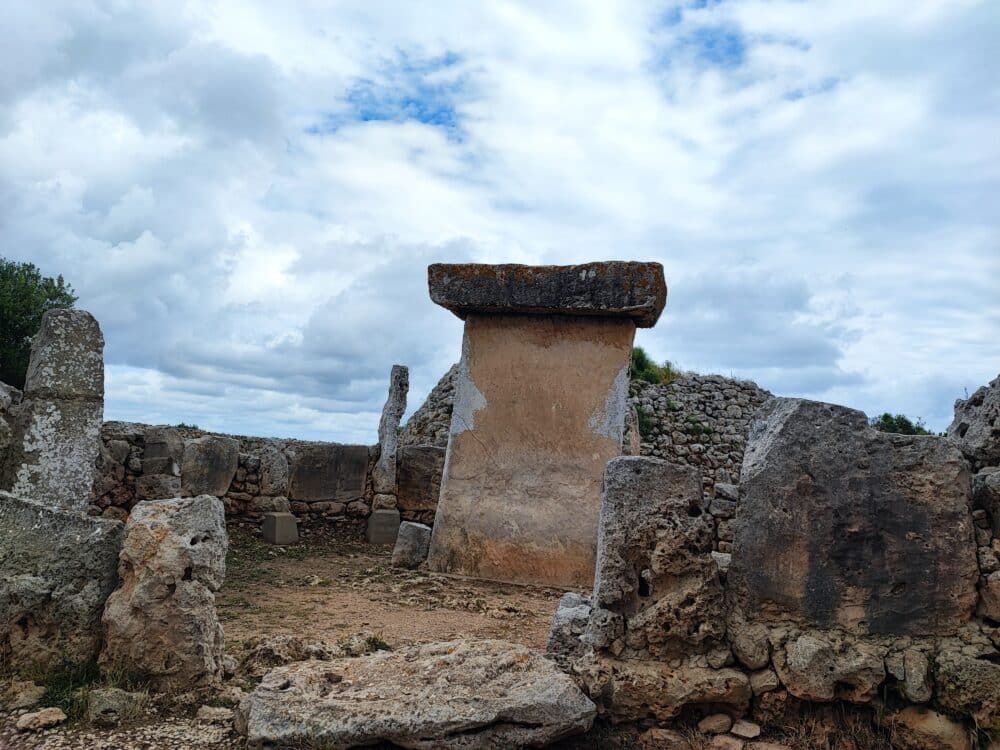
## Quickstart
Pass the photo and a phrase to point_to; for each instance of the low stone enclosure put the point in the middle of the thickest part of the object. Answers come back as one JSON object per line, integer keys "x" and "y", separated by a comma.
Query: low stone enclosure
{"x": 729, "y": 557}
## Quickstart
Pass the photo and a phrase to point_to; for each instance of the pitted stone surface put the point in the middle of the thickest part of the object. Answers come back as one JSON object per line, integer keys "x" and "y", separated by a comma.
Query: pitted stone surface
{"x": 161, "y": 623}
{"x": 976, "y": 427}
{"x": 459, "y": 694}
{"x": 607, "y": 289}
{"x": 843, "y": 526}
{"x": 431, "y": 422}
{"x": 57, "y": 569}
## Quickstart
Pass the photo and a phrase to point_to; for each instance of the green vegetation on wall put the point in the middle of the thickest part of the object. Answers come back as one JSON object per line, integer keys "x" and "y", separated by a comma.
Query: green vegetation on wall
{"x": 645, "y": 369}
{"x": 899, "y": 423}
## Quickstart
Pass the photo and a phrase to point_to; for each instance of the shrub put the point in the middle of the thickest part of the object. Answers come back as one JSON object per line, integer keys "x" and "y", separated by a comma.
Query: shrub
{"x": 24, "y": 296}
{"x": 645, "y": 369}
{"x": 899, "y": 423}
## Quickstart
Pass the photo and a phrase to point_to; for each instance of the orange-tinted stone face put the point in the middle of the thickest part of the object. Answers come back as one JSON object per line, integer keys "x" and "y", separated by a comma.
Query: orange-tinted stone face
{"x": 539, "y": 411}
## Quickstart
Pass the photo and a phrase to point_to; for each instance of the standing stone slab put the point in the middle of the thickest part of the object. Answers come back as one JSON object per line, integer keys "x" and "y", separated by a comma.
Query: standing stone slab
{"x": 328, "y": 472}
{"x": 56, "y": 429}
{"x": 57, "y": 569}
{"x": 842, "y": 526}
{"x": 384, "y": 471}
{"x": 412, "y": 543}
{"x": 539, "y": 410}
{"x": 161, "y": 623}
{"x": 418, "y": 480}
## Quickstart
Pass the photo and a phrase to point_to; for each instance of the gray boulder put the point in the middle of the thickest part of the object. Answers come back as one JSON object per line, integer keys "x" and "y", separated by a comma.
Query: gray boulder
{"x": 412, "y": 544}
{"x": 844, "y": 526}
{"x": 609, "y": 289}
{"x": 273, "y": 472}
{"x": 161, "y": 623}
{"x": 458, "y": 694}
{"x": 384, "y": 471}
{"x": 568, "y": 625}
{"x": 986, "y": 495}
{"x": 209, "y": 465}
{"x": 976, "y": 426}
{"x": 57, "y": 569}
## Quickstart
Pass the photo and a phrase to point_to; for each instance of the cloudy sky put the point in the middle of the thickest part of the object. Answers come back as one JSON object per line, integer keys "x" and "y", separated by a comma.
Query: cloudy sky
{"x": 247, "y": 194}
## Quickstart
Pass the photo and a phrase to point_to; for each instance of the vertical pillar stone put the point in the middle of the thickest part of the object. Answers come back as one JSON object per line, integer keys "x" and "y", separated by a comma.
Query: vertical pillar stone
{"x": 384, "y": 472}
{"x": 539, "y": 410}
{"x": 57, "y": 425}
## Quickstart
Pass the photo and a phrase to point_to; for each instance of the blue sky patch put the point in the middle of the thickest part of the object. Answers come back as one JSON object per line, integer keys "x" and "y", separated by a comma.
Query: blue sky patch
{"x": 717, "y": 45}
{"x": 408, "y": 89}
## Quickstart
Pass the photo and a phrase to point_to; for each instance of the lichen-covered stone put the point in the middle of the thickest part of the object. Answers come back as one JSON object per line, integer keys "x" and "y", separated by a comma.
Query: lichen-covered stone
{"x": 273, "y": 472}
{"x": 612, "y": 288}
{"x": 384, "y": 470}
{"x": 844, "y": 526}
{"x": 817, "y": 667}
{"x": 976, "y": 426}
{"x": 161, "y": 623}
{"x": 67, "y": 358}
{"x": 57, "y": 569}
{"x": 969, "y": 684}
{"x": 209, "y": 465}
{"x": 458, "y": 694}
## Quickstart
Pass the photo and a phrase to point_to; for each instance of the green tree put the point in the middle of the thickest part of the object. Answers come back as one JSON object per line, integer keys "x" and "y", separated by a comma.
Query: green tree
{"x": 644, "y": 368}
{"x": 899, "y": 423}
{"x": 24, "y": 296}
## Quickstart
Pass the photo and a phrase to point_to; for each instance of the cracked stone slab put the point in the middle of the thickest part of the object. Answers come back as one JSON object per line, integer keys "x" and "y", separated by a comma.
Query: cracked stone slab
{"x": 457, "y": 694}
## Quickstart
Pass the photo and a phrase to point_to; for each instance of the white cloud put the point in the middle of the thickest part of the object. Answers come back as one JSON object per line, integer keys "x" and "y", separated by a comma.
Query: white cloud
{"x": 247, "y": 198}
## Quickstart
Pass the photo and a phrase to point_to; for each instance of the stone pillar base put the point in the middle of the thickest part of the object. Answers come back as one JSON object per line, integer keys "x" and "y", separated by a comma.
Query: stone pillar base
{"x": 383, "y": 526}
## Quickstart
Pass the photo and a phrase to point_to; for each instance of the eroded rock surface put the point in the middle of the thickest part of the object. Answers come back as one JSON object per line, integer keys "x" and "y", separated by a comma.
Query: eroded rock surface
{"x": 384, "y": 470}
{"x": 843, "y": 526}
{"x": 209, "y": 465}
{"x": 161, "y": 623}
{"x": 459, "y": 694}
{"x": 976, "y": 427}
{"x": 57, "y": 569}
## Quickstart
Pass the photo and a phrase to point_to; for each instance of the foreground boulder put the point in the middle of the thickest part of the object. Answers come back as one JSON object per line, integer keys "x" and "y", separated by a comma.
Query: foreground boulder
{"x": 458, "y": 694}
{"x": 161, "y": 622}
{"x": 57, "y": 569}
{"x": 976, "y": 427}
{"x": 842, "y": 526}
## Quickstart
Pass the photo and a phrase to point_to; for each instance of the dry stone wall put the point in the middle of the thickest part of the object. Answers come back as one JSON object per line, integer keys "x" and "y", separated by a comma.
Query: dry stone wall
{"x": 252, "y": 475}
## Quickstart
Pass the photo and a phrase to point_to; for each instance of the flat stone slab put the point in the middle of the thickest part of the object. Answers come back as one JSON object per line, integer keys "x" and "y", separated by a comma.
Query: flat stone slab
{"x": 457, "y": 694}
{"x": 611, "y": 289}
{"x": 328, "y": 472}
{"x": 280, "y": 528}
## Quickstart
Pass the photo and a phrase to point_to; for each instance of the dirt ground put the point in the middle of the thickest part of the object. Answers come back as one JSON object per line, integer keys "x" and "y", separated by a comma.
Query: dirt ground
{"x": 332, "y": 585}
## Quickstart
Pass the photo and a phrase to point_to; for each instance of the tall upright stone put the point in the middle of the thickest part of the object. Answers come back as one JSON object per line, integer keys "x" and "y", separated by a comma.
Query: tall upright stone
{"x": 57, "y": 425}
{"x": 384, "y": 472}
{"x": 539, "y": 410}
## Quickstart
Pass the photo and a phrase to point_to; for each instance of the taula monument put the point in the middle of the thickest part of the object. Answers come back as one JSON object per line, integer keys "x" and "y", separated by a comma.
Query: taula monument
{"x": 732, "y": 565}
{"x": 539, "y": 410}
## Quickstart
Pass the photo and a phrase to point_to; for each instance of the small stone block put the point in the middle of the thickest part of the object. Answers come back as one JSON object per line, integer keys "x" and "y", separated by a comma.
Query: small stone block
{"x": 280, "y": 528}
{"x": 383, "y": 526}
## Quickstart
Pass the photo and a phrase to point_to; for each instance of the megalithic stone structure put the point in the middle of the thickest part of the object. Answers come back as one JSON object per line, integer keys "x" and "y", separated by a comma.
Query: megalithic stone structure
{"x": 57, "y": 425}
{"x": 539, "y": 410}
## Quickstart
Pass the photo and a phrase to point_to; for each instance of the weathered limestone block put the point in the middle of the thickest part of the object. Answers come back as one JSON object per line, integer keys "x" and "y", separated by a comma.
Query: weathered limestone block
{"x": 9, "y": 397}
{"x": 844, "y": 526}
{"x": 976, "y": 427}
{"x": 654, "y": 557}
{"x": 273, "y": 471}
{"x": 384, "y": 471}
{"x": 412, "y": 542}
{"x": 209, "y": 465}
{"x": 986, "y": 495}
{"x": 52, "y": 454}
{"x": 458, "y": 694}
{"x": 969, "y": 684}
{"x": 57, "y": 569}
{"x": 634, "y": 690}
{"x": 67, "y": 358}
{"x": 157, "y": 487}
{"x": 815, "y": 667}
{"x": 161, "y": 622}
{"x": 569, "y": 623}
{"x": 418, "y": 478}
{"x": 328, "y": 472}
{"x": 631, "y": 290}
